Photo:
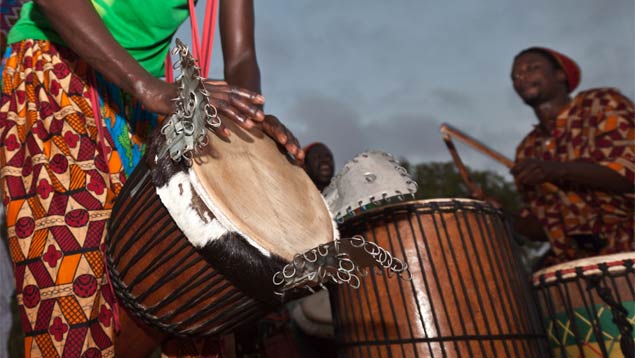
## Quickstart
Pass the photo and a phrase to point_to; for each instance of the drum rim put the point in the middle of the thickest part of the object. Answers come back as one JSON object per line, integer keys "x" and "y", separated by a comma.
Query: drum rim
{"x": 590, "y": 266}
{"x": 443, "y": 203}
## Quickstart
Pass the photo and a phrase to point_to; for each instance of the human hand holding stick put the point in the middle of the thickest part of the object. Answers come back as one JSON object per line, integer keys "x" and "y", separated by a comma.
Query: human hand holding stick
{"x": 448, "y": 132}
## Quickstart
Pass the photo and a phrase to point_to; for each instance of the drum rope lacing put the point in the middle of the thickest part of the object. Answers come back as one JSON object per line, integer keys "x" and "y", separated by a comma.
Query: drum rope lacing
{"x": 185, "y": 130}
{"x": 331, "y": 263}
{"x": 594, "y": 275}
{"x": 619, "y": 312}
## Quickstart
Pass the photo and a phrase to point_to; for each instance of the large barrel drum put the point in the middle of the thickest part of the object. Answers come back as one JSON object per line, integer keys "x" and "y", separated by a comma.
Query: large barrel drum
{"x": 468, "y": 297}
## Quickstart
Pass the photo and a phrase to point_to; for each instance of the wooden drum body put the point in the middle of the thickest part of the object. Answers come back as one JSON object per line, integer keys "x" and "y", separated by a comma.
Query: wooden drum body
{"x": 588, "y": 306}
{"x": 468, "y": 296}
{"x": 192, "y": 251}
{"x": 161, "y": 278}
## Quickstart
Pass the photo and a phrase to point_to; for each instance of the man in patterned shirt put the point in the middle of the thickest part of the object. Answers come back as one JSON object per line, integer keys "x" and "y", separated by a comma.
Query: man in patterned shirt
{"x": 575, "y": 170}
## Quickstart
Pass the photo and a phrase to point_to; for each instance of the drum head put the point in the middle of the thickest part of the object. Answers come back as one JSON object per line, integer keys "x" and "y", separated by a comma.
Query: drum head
{"x": 254, "y": 189}
{"x": 588, "y": 265}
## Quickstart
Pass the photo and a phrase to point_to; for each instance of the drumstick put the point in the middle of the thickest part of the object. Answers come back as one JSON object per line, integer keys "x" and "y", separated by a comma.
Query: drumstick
{"x": 448, "y": 131}
{"x": 476, "y": 190}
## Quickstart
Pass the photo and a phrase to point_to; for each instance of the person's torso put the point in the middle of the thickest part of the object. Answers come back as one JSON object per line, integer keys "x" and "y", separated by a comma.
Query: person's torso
{"x": 145, "y": 28}
{"x": 581, "y": 133}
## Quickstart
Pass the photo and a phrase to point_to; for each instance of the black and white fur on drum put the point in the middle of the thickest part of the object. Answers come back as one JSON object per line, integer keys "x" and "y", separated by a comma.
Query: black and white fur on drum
{"x": 248, "y": 265}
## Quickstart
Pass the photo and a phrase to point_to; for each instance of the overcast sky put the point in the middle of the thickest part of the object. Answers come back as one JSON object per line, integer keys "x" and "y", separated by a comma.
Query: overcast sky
{"x": 369, "y": 74}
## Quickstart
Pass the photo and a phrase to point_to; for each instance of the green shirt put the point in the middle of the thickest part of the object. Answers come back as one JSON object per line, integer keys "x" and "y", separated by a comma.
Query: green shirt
{"x": 143, "y": 27}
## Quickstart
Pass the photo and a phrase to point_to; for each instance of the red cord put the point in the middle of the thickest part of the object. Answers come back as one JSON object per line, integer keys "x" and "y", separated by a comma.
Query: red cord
{"x": 195, "y": 35}
{"x": 209, "y": 27}
{"x": 204, "y": 53}
{"x": 169, "y": 72}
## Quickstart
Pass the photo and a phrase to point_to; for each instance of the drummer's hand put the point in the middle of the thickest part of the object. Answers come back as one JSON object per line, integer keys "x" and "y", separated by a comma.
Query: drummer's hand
{"x": 534, "y": 171}
{"x": 240, "y": 105}
{"x": 283, "y": 136}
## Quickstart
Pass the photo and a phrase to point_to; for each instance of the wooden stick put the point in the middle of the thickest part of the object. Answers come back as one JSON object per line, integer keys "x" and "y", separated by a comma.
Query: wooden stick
{"x": 476, "y": 190}
{"x": 448, "y": 131}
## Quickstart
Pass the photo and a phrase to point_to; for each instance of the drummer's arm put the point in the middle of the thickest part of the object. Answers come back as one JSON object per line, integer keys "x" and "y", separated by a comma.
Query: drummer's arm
{"x": 239, "y": 48}
{"x": 241, "y": 66}
{"x": 583, "y": 174}
{"x": 81, "y": 28}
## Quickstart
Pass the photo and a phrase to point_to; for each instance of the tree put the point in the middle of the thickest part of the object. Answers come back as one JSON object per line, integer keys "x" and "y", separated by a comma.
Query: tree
{"x": 442, "y": 180}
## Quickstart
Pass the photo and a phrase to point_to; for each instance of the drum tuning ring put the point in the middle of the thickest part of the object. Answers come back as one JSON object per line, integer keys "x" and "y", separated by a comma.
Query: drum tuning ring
{"x": 311, "y": 256}
{"x": 343, "y": 276}
{"x": 286, "y": 274}
{"x": 202, "y": 143}
{"x": 354, "y": 281}
{"x": 373, "y": 252}
{"x": 214, "y": 122}
{"x": 357, "y": 241}
{"x": 345, "y": 261}
{"x": 188, "y": 128}
{"x": 298, "y": 262}
{"x": 323, "y": 250}
{"x": 278, "y": 280}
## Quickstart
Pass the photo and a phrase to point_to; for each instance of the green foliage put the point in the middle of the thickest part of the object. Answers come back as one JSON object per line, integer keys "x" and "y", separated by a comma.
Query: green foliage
{"x": 442, "y": 180}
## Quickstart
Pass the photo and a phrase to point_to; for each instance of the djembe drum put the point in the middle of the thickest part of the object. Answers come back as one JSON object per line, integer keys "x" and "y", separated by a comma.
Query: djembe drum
{"x": 180, "y": 288}
{"x": 209, "y": 234}
{"x": 203, "y": 224}
{"x": 468, "y": 296}
{"x": 588, "y": 306}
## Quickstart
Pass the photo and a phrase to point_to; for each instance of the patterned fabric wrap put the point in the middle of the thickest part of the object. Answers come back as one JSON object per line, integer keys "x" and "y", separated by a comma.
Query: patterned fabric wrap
{"x": 598, "y": 126}
{"x": 58, "y": 184}
{"x": 560, "y": 331}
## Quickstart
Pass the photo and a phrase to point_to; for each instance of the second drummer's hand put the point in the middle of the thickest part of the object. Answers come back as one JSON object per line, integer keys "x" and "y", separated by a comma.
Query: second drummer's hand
{"x": 534, "y": 172}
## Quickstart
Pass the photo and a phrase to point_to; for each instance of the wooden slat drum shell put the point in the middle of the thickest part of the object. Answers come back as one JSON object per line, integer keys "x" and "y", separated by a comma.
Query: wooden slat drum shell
{"x": 468, "y": 296}
{"x": 160, "y": 277}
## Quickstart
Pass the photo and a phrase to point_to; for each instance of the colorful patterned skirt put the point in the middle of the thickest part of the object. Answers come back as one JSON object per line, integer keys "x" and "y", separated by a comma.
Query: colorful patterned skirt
{"x": 61, "y": 171}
